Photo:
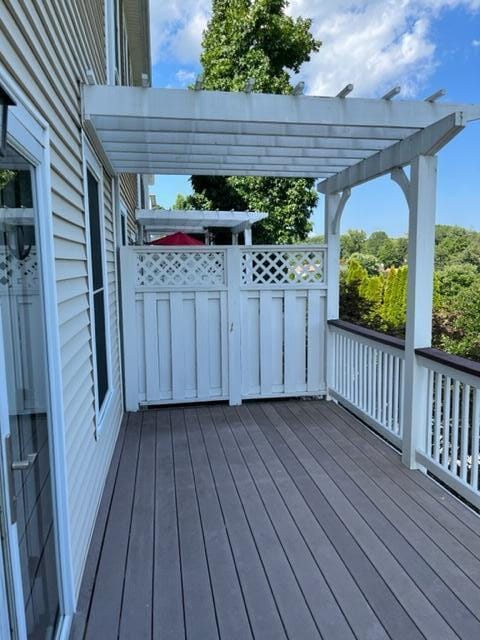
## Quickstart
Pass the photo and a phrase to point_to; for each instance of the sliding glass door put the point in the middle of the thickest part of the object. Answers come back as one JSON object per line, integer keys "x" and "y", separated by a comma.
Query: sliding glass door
{"x": 31, "y": 565}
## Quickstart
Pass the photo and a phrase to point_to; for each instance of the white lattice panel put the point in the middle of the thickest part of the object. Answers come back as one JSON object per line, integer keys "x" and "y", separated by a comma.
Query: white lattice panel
{"x": 285, "y": 267}
{"x": 180, "y": 268}
{"x": 18, "y": 275}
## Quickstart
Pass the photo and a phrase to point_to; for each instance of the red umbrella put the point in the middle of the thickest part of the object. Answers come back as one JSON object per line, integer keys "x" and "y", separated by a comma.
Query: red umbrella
{"x": 179, "y": 239}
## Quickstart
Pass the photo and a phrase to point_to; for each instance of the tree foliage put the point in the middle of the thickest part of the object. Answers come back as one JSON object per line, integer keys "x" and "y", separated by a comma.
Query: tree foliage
{"x": 257, "y": 39}
{"x": 377, "y": 297}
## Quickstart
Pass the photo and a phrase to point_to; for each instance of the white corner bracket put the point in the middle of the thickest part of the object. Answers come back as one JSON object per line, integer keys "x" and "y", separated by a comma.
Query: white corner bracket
{"x": 340, "y": 209}
{"x": 399, "y": 176}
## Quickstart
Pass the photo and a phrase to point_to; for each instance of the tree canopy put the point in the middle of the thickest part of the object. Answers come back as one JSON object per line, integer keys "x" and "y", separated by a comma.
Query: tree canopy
{"x": 374, "y": 286}
{"x": 256, "y": 39}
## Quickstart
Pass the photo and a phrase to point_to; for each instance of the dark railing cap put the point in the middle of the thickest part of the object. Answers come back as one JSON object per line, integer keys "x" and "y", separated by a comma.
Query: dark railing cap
{"x": 454, "y": 362}
{"x": 370, "y": 334}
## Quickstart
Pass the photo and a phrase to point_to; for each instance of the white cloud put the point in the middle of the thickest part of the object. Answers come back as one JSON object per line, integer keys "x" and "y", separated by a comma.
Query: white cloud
{"x": 184, "y": 76}
{"x": 476, "y": 43}
{"x": 176, "y": 29}
{"x": 375, "y": 44}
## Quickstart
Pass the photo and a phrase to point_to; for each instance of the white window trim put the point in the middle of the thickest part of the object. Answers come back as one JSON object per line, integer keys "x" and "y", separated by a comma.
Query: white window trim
{"x": 92, "y": 163}
{"x": 112, "y": 41}
{"x": 29, "y": 133}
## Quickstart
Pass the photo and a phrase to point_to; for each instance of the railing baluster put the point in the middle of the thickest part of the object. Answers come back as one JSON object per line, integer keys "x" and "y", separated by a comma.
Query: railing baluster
{"x": 384, "y": 388}
{"x": 390, "y": 392}
{"x": 370, "y": 381}
{"x": 465, "y": 430}
{"x": 396, "y": 392}
{"x": 438, "y": 416}
{"x": 455, "y": 427}
{"x": 402, "y": 394}
{"x": 428, "y": 444}
{"x": 475, "y": 439}
{"x": 446, "y": 421}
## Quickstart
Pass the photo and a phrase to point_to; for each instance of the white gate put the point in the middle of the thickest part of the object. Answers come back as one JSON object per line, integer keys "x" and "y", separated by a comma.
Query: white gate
{"x": 222, "y": 323}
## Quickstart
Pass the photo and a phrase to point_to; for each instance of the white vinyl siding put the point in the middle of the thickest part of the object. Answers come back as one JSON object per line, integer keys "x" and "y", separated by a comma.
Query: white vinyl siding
{"x": 47, "y": 47}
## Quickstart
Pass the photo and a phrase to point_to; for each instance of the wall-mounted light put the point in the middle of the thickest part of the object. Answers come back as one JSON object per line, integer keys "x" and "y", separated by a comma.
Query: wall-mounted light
{"x": 5, "y": 102}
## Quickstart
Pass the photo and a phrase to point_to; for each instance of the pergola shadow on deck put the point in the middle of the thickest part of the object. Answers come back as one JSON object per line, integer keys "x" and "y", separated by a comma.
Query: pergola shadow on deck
{"x": 274, "y": 520}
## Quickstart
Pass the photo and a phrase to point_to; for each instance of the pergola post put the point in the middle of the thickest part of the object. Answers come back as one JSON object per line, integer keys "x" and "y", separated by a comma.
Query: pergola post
{"x": 332, "y": 240}
{"x": 421, "y": 253}
{"x": 247, "y": 234}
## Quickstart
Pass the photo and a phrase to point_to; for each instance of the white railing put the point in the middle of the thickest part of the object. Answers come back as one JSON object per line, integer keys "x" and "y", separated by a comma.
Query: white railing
{"x": 452, "y": 444}
{"x": 368, "y": 376}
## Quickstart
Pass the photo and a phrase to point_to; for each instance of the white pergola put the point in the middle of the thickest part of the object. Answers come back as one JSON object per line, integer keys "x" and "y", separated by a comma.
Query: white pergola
{"x": 340, "y": 141}
{"x": 158, "y": 221}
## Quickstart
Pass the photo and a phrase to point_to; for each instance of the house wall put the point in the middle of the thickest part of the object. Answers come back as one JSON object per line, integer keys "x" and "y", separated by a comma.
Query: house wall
{"x": 46, "y": 48}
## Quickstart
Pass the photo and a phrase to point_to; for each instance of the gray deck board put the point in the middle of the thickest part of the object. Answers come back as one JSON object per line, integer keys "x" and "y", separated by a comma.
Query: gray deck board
{"x": 417, "y": 586}
{"x": 260, "y": 602}
{"x": 274, "y": 520}
{"x": 168, "y": 613}
{"x": 136, "y": 613}
{"x": 199, "y": 606}
{"x": 229, "y": 603}
{"x": 103, "y": 621}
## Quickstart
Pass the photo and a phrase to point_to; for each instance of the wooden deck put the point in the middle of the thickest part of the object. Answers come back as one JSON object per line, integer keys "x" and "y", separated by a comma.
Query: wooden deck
{"x": 274, "y": 520}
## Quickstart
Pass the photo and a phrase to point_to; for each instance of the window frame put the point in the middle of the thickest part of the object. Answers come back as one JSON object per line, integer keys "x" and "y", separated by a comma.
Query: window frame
{"x": 92, "y": 163}
{"x": 113, "y": 41}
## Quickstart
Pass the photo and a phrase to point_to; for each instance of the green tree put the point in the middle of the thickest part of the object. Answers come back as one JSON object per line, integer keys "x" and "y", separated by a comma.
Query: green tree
{"x": 318, "y": 239}
{"x": 394, "y": 308}
{"x": 453, "y": 280}
{"x": 375, "y": 242}
{"x": 257, "y": 39}
{"x": 454, "y": 244}
{"x": 5, "y": 177}
{"x": 354, "y": 307}
{"x": 369, "y": 262}
{"x": 458, "y": 326}
{"x": 354, "y": 241}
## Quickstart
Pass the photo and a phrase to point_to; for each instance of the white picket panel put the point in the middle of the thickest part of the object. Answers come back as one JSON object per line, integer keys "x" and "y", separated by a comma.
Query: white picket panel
{"x": 211, "y": 323}
{"x": 368, "y": 377}
{"x": 452, "y": 447}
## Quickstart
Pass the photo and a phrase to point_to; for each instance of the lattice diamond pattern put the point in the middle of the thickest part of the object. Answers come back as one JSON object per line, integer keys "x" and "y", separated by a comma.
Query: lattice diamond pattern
{"x": 284, "y": 267}
{"x": 180, "y": 268}
{"x": 18, "y": 274}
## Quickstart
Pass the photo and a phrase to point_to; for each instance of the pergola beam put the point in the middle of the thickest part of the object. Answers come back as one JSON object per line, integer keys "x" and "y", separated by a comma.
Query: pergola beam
{"x": 157, "y": 221}
{"x": 426, "y": 142}
{"x": 189, "y": 171}
{"x": 233, "y": 107}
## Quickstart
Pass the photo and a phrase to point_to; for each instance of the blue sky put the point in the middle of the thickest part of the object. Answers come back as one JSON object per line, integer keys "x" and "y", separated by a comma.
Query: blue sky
{"x": 423, "y": 45}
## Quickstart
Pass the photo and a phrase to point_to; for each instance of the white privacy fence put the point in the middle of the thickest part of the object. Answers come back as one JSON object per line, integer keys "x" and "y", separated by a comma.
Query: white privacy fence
{"x": 217, "y": 323}
{"x": 368, "y": 377}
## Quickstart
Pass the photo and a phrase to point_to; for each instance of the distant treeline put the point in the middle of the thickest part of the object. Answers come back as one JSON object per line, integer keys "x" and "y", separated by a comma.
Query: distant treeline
{"x": 374, "y": 285}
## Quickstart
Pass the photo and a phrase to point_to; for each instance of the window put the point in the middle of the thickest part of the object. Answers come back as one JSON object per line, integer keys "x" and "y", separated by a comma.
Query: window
{"x": 123, "y": 224}
{"x": 112, "y": 43}
{"x": 119, "y": 69}
{"x": 97, "y": 283}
